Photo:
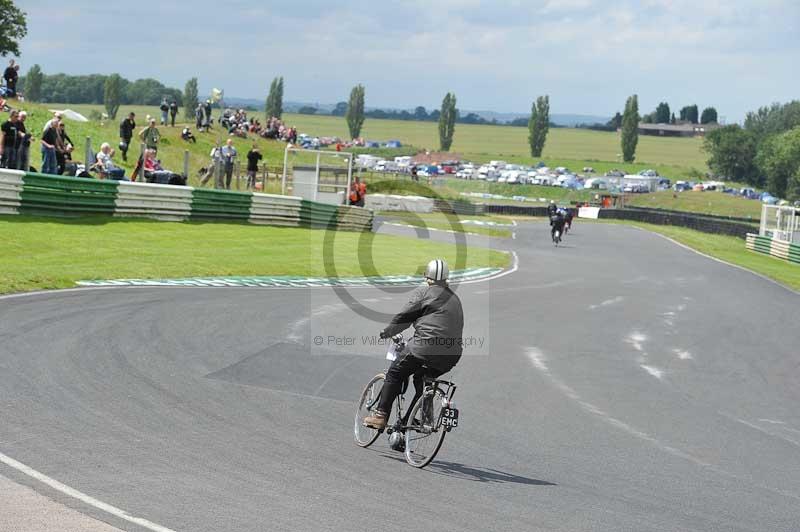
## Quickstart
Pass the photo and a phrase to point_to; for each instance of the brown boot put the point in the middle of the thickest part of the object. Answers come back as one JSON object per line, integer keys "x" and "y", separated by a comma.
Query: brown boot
{"x": 377, "y": 421}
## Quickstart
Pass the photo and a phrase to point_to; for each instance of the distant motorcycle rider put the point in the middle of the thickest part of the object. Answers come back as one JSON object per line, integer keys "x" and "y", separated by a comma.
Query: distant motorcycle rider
{"x": 551, "y": 211}
{"x": 437, "y": 316}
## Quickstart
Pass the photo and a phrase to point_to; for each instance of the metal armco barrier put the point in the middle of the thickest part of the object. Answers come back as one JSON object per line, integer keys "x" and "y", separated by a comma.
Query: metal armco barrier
{"x": 776, "y": 248}
{"x": 691, "y": 221}
{"x": 46, "y": 195}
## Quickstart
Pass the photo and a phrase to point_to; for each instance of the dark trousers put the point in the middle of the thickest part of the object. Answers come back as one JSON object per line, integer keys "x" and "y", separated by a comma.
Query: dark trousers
{"x": 127, "y": 143}
{"x": 397, "y": 376}
{"x": 172, "y": 115}
{"x": 9, "y": 159}
{"x": 228, "y": 175}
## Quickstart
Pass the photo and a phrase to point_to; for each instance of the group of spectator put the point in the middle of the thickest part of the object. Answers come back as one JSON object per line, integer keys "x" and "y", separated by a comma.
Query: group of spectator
{"x": 276, "y": 129}
{"x": 55, "y": 144}
{"x": 170, "y": 109}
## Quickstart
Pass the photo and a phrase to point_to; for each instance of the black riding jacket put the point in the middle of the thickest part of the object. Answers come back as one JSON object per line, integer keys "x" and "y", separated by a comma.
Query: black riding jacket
{"x": 438, "y": 319}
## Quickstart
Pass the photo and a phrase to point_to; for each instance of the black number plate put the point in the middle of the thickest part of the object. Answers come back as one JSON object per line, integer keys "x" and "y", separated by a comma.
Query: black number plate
{"x": 449, "y": 417}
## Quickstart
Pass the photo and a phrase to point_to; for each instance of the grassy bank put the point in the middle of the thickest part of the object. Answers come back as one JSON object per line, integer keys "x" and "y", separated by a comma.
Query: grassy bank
{"x": 699, "y": 202}
{"x": 43, "y": 253}
{"x": 728, "y": 248}
{"x": 574, "y": 148}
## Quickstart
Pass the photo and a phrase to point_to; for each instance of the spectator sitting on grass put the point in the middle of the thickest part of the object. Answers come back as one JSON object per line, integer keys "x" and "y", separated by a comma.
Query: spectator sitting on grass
{"x": 106, "y": 165}
{"x": 187, "y": 135}
{"x": 155, "y": 173}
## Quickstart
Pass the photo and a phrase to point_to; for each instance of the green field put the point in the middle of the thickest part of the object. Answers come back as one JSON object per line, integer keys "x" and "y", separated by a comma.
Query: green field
{"x": 712, "y": 202}
{"x": 42, "y": 253}
{"x": 573, "y": 148}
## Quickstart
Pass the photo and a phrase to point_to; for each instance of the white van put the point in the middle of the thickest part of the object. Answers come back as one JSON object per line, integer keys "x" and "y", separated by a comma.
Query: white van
{"x": 497, "y": 165}
{"x": 403, "y": 161}
{"x": 487, "y": 172}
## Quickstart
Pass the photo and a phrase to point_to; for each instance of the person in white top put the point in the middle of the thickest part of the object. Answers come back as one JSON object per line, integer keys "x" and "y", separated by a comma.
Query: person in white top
{"x": 106, "y": 165}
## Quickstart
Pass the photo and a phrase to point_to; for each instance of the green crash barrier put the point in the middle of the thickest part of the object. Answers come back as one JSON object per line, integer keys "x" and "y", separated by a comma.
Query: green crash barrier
{"x": 775, "y": 248}
{"x": 66, "y": 196}
{"x": 220, "y": 205}
{"x": 48, "y": 195}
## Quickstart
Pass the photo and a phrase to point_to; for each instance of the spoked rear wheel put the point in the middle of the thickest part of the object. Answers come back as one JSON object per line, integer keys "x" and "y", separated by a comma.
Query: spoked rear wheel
{"x": 424, "y": 435}
{"x": 367, "y": 404}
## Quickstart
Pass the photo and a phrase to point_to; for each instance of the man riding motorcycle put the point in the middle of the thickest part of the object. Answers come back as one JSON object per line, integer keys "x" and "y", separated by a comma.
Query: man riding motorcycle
{"x": 437, "y": 316}
{"x": 557, "y": 223}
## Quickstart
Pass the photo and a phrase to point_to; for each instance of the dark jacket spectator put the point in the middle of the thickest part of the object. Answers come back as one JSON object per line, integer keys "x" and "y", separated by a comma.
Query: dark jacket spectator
{"x": 173, "y": 111}
{"x": 11, "y": 75}
{"x": 10, "y": 141}
{"x": 126, "y": 129}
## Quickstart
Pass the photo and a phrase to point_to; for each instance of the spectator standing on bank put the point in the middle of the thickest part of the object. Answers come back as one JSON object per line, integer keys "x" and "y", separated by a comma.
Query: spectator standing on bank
{"x": 64, "y": 149}
{"x": 229, "y": 154}
{"x": 48, "y": 142}
{"x": 11, "y": 75}
{"x": 253, "y": 157}
{"x": 10, "y": 143}
{"x": 173, "y": 111}
{"x": 126, "y": 129}
{"x": 150, "y": 135}
{"x": 23, "y": 152}
{"x": 164, "y": 107}
{"x": 198, "y": 117}
{"x": 208, "y": 112}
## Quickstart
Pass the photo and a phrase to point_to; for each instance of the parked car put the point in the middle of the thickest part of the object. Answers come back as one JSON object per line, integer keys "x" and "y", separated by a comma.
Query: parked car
{"x": 465, "y": 173}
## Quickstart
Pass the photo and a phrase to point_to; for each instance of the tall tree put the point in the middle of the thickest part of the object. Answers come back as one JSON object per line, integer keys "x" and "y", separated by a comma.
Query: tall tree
{"x": 447, "y": 121}
{"x": 778, "y": 159}
{"x": 112, "y": 95}
{"x": 776, "y": 118}
{"x": 689, "y": 113}
{"x": 662, "y": 113}
{"x": 274, "y": 105}
{"x": 340, "y": 109}
{"x": 355, "y": 111}
{"x": 709, "y": 116}
{"x": 616, "y": 121}
{"x": 630, "y": 129}
{"x": 190, "y": 95}
{"x": 539, "y": 124}
{"x": 672, "y": 119}
{"x": 33, "y": 84}
{"x": 732, "y": 152}
{"x": 12, "y": 27}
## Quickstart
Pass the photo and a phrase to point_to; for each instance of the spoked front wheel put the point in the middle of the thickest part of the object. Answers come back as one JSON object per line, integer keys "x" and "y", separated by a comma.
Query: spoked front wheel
{"x": 424, "y": 433}
{"x": 367, "y": 404}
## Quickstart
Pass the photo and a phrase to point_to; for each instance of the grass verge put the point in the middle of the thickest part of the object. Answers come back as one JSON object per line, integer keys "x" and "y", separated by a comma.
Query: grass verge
{"x": 730, "y": 249}
{"x": 46, "y": 253}
{"x": 460, "y": 223}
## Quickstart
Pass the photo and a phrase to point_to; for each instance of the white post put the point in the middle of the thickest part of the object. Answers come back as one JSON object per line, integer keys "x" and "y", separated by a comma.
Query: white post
{"x": 285, "y": 166}
{"x": 186, "y": 165}
{"x": 88, "y": 154}
{"x": 762, "y": 230}
{"x": 349, "y": 179}
{"x": 316, "y": 187}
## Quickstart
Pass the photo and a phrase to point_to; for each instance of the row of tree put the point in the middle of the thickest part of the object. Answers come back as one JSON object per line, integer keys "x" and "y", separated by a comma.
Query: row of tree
{"x": 688, "y": 113}
{"x": 90, "y": 89}
{"x": 763, "y": 153}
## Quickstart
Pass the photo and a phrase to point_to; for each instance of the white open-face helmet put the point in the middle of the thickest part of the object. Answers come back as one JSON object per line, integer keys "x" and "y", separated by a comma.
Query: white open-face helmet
{"x": 437, "y": 270}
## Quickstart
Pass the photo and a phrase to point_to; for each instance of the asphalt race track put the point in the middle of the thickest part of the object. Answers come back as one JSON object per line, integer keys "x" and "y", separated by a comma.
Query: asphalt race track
{"x": 626, "y": 383}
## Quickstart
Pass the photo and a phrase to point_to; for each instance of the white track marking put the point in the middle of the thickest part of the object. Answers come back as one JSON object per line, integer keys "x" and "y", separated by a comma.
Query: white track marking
{"x": 607, "y": 302}
{"x": 636, "y": 339}
{"x": 683, "y": 354}
{"x": 86, "y": 499}
{"x": 432, "y": 229}
{"x": 655, "y": 372}
{"x": 539, "y": 362}
{"x": 514, "y": 267}
{"x": 761, "y": 429}
{"x": 772, "y": 421}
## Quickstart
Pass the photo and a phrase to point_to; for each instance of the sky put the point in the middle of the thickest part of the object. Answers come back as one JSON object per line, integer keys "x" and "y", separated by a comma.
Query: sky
{"x": 587, "y": 55}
